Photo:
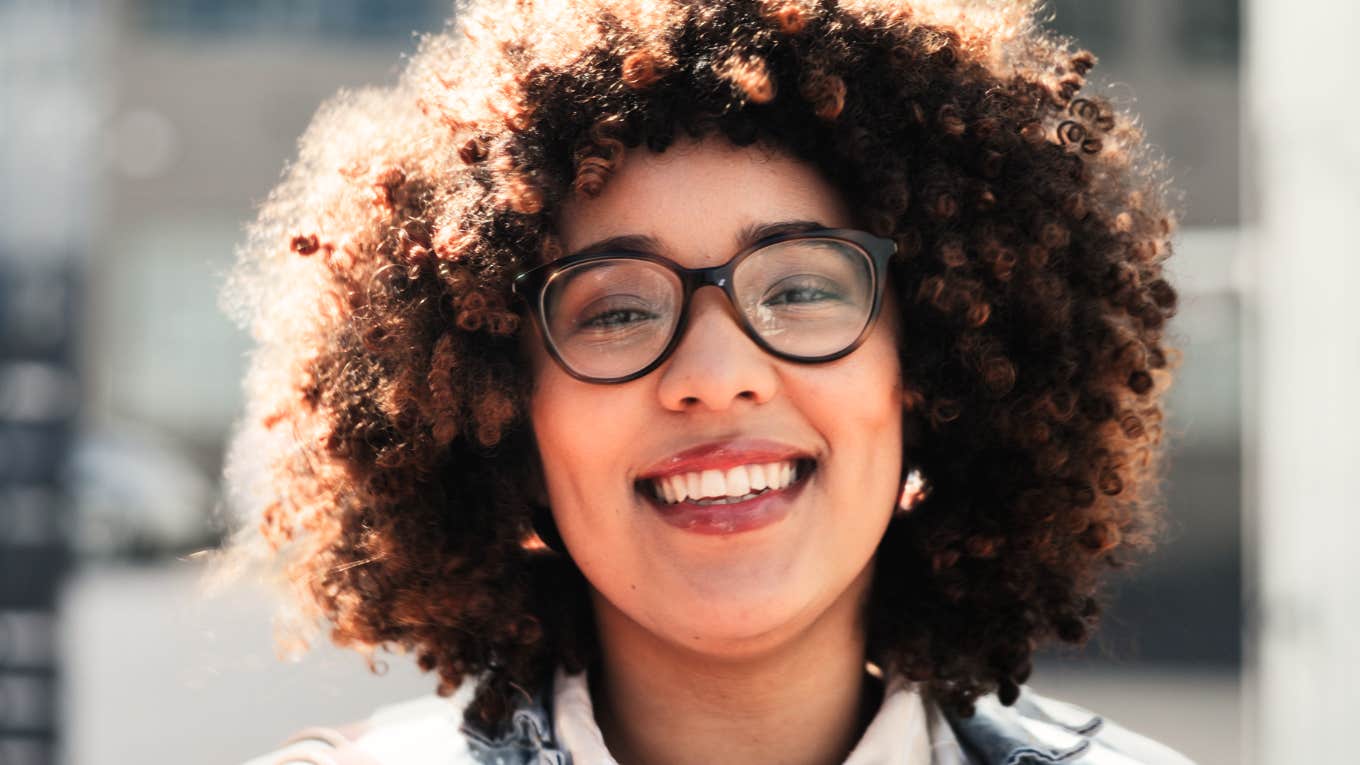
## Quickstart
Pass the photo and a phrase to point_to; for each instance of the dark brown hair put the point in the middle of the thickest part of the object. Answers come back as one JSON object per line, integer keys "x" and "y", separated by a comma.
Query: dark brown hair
{"x": 386, "y": 452}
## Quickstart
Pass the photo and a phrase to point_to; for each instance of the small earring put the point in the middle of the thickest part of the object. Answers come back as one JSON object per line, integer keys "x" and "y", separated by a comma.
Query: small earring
{"x": 914, "y": 489}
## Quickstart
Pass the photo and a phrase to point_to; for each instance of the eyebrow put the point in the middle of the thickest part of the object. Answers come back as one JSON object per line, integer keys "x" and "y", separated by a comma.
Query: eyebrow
{"x": 749, "y": 234}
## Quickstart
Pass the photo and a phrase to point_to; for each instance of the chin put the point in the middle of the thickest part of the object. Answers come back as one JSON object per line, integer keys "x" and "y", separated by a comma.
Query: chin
{"x": 737, "y": 629}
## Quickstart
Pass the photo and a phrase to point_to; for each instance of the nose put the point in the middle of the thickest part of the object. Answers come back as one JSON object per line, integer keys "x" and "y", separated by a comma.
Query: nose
{"x": 715, "y": 363}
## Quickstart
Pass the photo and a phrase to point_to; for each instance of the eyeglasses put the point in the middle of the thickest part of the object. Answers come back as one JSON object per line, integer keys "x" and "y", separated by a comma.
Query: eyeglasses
{"x": 611, "y": 317}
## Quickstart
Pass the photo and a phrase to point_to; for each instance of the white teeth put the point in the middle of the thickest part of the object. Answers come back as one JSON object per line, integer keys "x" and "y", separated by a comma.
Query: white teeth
{"x": 711, "y": 484}
{"x": 757, "y": 473}
{"x": 738, "y": 482}
{"x": 676, "y": 488}
{"x": 719, "y": 487}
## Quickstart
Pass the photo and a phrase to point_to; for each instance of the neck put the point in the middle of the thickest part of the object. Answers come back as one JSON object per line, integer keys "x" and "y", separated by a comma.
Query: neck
{"x": 805, "y": 702}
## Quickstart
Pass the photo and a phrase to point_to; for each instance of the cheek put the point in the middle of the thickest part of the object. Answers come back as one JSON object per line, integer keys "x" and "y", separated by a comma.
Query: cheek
{"x": 859, "y": 409}
{"x": 866, "y": 386}
{"x": 562, "y": 414}
{"x": 558, "y": 409}
{"x": 579, "y": 429}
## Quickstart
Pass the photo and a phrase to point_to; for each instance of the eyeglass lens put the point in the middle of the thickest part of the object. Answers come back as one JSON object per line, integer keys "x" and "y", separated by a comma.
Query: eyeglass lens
{"x": 808, "y": 297}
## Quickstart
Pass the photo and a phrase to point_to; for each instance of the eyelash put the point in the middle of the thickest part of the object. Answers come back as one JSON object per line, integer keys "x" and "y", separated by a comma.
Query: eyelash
{"x": 594, "y": 321}
{"x": 805, "y": 289}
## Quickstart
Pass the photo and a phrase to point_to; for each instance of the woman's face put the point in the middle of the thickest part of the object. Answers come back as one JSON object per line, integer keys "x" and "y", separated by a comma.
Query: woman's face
{"x": 707, "y": 581}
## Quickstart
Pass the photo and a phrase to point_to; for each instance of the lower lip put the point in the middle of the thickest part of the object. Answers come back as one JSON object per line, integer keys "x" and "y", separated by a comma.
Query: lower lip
{"x": 754, "y": 513}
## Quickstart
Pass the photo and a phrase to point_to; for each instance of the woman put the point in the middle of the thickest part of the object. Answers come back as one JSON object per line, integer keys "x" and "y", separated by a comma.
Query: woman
{"x": 823, "y": 512}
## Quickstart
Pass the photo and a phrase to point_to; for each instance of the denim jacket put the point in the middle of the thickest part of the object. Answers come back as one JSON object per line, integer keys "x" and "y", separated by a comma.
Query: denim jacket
{"x": 1036, "y": 730}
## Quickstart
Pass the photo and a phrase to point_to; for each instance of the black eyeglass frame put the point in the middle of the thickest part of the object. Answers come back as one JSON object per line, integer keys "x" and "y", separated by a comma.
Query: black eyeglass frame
{"x": 531, "y": 287}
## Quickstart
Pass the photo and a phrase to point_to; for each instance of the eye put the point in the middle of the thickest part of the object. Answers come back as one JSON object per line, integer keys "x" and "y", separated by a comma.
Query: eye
{"x": 618, "y": 317}
{"x": 807, "y": 291}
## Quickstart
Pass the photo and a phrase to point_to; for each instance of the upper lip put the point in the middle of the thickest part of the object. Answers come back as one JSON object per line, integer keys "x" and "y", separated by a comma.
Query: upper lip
{"x": 723, "y": 455}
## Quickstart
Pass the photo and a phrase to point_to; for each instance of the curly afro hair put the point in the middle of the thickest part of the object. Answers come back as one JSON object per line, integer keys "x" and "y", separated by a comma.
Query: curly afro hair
{"x": 385, "y": 453}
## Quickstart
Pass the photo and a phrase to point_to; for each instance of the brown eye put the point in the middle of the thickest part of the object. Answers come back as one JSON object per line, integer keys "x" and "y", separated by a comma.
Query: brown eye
{"x": 619, "y": 317}
{"x": 804, "y": 292}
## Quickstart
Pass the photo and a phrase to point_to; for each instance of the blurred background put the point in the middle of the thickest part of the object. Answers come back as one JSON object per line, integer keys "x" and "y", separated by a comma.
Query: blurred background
{"x": 137, "y": 137}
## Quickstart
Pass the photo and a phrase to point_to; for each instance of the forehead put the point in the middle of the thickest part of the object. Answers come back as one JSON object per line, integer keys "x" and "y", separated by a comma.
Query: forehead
{"x": 697, "y": 198}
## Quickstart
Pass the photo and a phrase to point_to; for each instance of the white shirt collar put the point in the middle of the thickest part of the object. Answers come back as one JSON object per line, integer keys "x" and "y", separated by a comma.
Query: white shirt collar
{"x": 905, "y": 731}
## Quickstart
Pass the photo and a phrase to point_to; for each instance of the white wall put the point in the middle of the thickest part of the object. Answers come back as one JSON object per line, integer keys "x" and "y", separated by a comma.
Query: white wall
{"x": 1302, "y": 156}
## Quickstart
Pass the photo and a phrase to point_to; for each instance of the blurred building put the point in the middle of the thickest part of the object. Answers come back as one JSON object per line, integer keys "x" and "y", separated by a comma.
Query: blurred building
{"x": 1177, "y": 65}
{"x": 46, "y": 192}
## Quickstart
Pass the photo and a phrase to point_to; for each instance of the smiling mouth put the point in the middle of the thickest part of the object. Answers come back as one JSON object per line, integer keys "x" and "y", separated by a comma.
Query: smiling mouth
{"x": 729, "y": 515}
{"x": 797, "y": 473}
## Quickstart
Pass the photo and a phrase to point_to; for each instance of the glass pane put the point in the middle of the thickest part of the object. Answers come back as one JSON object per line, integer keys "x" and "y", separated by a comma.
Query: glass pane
{"x": 809, "y": 297}
{"x": 609, "y": 318}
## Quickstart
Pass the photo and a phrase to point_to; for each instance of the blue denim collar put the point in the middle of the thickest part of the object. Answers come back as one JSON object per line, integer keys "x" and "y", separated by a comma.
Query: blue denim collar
{"x": 528, "y": 739}
{"x": 994, "y": 735}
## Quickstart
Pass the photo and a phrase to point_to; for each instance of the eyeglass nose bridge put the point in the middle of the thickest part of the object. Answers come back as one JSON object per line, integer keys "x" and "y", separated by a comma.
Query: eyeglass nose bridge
{"x": 719, "y": 276}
